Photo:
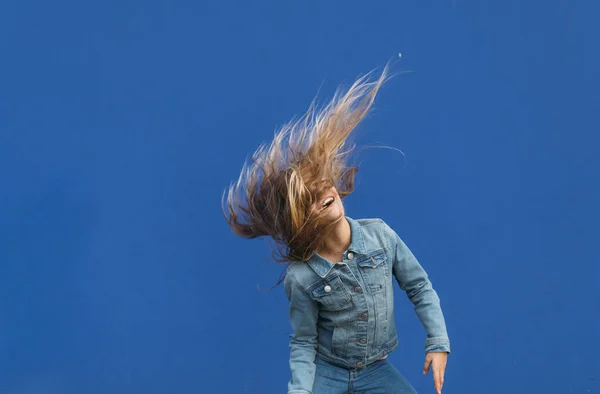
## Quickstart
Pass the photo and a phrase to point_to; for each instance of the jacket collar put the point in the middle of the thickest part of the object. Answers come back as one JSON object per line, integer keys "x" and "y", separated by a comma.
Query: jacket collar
{"x": 322, "y": 266}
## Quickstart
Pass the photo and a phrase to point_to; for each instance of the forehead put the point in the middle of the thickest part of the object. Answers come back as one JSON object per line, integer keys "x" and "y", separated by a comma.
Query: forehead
{"x": 315, "y": 178}
{"x": 318, "y": 188}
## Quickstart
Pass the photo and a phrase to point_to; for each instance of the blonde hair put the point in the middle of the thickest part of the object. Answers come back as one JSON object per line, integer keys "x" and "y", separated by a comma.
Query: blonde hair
{"x": 273, "y": 195}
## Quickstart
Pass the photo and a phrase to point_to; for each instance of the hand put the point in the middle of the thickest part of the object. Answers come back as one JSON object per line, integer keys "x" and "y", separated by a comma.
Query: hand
{"x": 438, "y": 361}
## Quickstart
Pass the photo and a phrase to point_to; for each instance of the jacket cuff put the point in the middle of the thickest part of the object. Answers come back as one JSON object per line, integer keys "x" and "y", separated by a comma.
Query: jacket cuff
{"x": 438, "y": 344}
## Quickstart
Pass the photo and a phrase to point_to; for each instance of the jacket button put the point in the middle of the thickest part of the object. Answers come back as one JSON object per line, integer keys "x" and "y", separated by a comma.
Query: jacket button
{"x": 360, "y": 364}
{"x": 327, "y": 289}
{"x": 357, "y": 289}
{"x": 350, "y": 255}
{"x": 364, "y": 316}
{"x": 363, "y": 341}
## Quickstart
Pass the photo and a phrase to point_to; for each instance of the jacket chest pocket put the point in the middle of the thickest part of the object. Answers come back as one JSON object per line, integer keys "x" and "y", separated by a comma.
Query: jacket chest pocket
{"x": 374, "y": 272}
{"x": 331, "y": 293}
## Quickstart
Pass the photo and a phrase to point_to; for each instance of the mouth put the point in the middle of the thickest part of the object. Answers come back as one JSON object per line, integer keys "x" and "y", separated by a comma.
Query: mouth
{"x": 328, "y": 202}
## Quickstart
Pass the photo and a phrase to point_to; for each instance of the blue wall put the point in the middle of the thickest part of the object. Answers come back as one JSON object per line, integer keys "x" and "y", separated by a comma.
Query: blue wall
{"x": 122, "y": 122}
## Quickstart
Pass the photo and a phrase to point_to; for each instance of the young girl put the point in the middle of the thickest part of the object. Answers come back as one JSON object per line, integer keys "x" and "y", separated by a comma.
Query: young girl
{"x": 340, "y": 278}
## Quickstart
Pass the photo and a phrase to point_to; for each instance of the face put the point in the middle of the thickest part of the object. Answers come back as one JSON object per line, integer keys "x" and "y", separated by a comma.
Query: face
{"x": 329, "y": 205}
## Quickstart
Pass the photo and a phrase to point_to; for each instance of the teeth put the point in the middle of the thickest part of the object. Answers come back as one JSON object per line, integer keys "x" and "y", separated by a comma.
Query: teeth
{"x": 328, "y": 201}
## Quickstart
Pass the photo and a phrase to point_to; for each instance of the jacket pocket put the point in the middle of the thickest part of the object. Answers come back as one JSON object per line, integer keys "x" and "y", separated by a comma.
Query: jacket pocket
{"x": 331, "y": 293}
{"x": 374, "y": 271}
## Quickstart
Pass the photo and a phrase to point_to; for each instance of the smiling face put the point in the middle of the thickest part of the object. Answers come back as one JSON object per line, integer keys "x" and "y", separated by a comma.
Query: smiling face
{"x": 328, "y": 206}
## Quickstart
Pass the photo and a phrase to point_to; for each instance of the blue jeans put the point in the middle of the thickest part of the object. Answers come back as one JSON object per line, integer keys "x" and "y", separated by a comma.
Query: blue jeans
{"x": 380, "y": 377}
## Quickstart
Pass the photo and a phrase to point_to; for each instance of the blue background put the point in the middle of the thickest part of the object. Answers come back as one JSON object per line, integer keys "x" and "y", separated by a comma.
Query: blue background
{"x": 121, "y": 123}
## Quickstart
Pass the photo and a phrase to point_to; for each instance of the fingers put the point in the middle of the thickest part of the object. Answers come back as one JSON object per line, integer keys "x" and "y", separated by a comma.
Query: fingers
{"x": 438, "y": 380}
{"x": 443, "y": 373}
{"x": 438, "y": 377}
{"x": 427, "y": 365}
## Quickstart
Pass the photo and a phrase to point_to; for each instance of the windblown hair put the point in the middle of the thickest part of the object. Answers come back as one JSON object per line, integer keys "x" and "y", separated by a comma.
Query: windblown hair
{"x": 274, "y": 195}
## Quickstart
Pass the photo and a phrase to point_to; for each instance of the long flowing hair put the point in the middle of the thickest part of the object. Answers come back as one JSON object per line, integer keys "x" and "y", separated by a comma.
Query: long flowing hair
{"x": 274, "y": 194}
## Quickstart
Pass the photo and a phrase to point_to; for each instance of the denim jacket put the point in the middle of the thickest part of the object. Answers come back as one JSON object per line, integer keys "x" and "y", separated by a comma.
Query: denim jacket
{"x": 344, "y": 313}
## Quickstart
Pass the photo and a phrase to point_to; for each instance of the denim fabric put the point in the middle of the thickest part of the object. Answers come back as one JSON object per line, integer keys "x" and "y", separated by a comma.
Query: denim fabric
{"x": 381, "y": 377}
{"x": 344, "y": 312}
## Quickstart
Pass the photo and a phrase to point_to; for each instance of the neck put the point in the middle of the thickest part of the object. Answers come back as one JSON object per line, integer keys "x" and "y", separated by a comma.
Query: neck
{"x": 338, "y": 239}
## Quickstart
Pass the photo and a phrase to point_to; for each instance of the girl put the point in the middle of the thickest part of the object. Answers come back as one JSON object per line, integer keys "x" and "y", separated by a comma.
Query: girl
{"x": 340, "y": 278}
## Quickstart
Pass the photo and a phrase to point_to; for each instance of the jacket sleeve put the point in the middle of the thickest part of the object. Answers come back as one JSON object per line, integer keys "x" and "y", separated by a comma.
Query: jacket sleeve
{"x": 303, "y": 342}
{"x": 413, "y": 279}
